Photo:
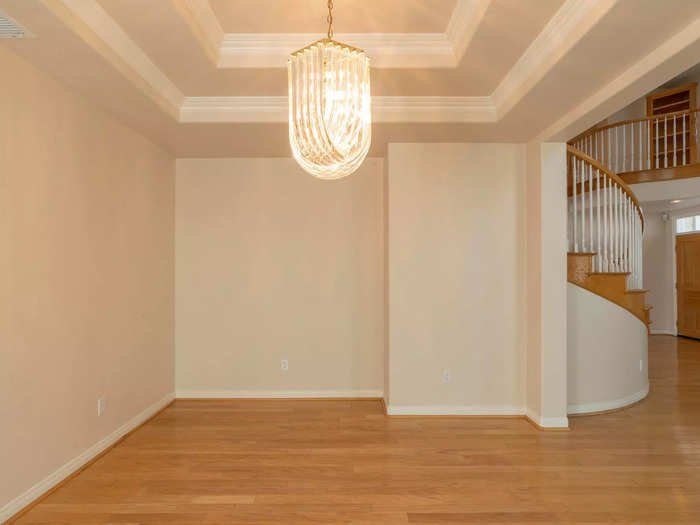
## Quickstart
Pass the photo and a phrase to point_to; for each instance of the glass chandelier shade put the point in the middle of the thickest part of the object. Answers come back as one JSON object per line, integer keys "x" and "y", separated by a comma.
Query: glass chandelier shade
{"x": 330, "y": 121}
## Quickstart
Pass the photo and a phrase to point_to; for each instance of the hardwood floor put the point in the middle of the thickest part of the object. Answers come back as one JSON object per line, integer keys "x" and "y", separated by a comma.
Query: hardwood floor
{"x": 260, "y": 462}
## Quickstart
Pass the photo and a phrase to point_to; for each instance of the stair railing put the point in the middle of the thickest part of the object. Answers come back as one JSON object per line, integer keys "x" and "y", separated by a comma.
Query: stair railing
{"x": 605, "y": 218}
{"x": 664, "y": 141}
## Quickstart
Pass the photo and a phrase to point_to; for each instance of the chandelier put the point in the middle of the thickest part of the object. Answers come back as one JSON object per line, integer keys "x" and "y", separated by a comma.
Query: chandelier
{"x": 330, "y": 121}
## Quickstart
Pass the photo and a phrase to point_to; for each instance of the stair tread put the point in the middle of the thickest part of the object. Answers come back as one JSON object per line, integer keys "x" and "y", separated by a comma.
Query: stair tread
{"x": 610, "y": 273}
{"x": 637, "y": 290}
{"x": 581, "y": 253}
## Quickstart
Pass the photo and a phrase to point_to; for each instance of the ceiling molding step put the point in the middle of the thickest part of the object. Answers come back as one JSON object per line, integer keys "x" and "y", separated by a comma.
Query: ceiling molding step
{"x": 234, "y": 109}
{"x": 433, "y": 109}
{"x": 384, "y": 109}
{"x": 464, "y": 22}
{"x": 572, "y": 21}
{"x": 386, "y": 50}
{"x": 92, "y": 23}
{"x": 633, "y": 83}
{"x": 200, "y": 17}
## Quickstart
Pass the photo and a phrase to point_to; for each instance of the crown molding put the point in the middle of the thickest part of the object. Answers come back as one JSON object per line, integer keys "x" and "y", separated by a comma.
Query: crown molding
{"x": 566, "y": 28}
{"x": 387, "y": 50}
{"x": 384, "y": 109}
{"x": 572, "y": 21}
{"x": 464, "y": 22}
{"x": 202, "y": 20}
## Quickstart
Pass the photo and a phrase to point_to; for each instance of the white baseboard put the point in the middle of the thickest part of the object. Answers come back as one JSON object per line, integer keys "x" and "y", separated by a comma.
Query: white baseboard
{"x": 662, "y": 332}
{"x": 46, "y": 484}
{"x": 587, "y": 408}
{"x": 432, "y": 410}
{"x": 278, "y": 394}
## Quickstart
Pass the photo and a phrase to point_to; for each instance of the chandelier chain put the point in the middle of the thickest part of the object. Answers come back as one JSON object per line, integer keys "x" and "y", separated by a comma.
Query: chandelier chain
{"x": 329, "y": 19}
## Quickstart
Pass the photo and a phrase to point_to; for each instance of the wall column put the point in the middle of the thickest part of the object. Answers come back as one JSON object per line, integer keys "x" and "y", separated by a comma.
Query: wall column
{"x": 546, "y": 398}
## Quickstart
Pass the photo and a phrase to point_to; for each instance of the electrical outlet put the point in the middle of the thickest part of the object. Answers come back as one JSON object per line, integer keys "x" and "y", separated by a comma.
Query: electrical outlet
{"x": 446, "y": 376}
{"x": 100, "y": 406}
{"x": 285, "y": 365}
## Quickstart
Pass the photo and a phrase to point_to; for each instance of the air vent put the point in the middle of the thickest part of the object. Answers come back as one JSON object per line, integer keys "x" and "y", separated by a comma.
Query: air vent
{"x": 11, "y": 29}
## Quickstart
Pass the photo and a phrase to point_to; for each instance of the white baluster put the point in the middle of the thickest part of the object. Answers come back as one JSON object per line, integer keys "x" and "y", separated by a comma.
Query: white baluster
{"x": 590, "y": 207}
{"x": 613, "y": 228}
{"x": 583, "y": 207}
{"x": 605, "y": 223}
{"x": 684, "y": 156}
{"x": 665, "y": 142}
{"x": 599, "y": 254}
{"x": 648, "y": 126}
{"x": 624, "y": 147}
{"x": 617, "y": 150}
{"x": 675, "y": 146}
{"x": 641, "y": 156}
{"x": 656, "y": 151}
{"x": 573, "y": 167}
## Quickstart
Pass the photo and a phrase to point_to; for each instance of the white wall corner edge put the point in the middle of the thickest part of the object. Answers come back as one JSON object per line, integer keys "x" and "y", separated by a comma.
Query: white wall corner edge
{"x": 547, "y": 422}
{"x": 278, "y": 394}
{"x": 17, "y": 504}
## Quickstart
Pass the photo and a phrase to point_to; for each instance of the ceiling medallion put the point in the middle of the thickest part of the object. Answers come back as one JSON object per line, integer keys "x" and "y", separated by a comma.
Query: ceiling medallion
{"x": 330, "y": 120}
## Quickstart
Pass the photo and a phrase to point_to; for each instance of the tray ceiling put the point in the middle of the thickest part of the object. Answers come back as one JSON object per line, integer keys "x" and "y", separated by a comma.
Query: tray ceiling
{"x": 351, "y": 16}
{"x": 208, "y": 77}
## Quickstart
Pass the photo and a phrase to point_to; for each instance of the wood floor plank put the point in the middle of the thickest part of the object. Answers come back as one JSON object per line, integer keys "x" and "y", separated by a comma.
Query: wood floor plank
{"x": 340, "y": 461}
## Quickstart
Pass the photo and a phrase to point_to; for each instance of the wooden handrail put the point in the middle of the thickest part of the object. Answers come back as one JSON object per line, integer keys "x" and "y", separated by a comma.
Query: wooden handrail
{"x": 596, "y": 164}
{"x": 593, "y": 131}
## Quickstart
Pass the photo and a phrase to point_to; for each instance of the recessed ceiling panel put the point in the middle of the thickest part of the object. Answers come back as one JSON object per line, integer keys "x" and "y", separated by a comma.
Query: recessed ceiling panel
{"x": 351, "y": 16}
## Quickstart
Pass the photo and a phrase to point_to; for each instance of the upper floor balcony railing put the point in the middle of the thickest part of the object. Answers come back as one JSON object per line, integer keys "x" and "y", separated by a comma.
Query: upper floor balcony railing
{"x": 662, "y": 141}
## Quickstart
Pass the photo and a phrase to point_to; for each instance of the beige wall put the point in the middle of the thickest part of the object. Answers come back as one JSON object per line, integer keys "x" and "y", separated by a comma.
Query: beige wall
{"x": 274, "y": 264}
{"x": 658, "y": 264}
{"x": 456, "y": 271}
{"x": 86, "y": 275}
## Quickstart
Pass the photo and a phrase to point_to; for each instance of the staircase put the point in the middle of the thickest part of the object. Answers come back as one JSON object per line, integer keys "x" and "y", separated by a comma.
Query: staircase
{"x": 605, "y": 229}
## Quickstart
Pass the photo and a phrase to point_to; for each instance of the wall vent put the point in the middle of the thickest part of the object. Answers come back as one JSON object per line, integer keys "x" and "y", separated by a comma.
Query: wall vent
{"x": 11, "y": 29}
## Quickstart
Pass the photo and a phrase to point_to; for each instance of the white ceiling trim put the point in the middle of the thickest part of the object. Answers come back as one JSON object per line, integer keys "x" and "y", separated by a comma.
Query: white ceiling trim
{"x": 384, "y": 109}
{"x": 387, "y": 50}
{"x": 465, "y": 20}
{"x": 569, "y": 24}
{"x": 572, "y": 21}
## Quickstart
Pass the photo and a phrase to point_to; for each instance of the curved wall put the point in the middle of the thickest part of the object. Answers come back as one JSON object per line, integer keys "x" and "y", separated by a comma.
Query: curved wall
{"x": 607, "y": 354}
